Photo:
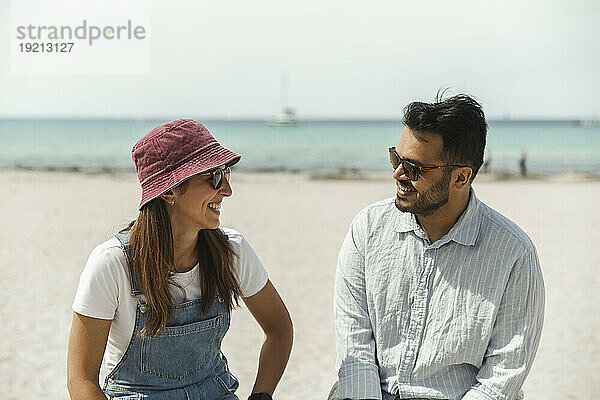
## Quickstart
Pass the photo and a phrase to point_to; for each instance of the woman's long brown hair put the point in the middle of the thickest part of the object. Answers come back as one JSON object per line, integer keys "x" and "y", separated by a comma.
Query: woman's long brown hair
{"x": 151, "y": 257}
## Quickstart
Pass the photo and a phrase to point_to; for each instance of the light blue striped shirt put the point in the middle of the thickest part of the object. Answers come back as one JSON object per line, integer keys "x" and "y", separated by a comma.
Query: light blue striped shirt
{"x": 460, "y": 318}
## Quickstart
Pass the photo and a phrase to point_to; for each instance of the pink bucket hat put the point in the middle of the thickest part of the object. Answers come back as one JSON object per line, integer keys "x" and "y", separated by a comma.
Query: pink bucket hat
{"x": 173, "y": 152}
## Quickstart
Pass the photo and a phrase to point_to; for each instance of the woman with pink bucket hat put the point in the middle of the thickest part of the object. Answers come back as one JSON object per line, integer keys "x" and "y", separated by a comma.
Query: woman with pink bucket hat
{"x": 154, "y": 300}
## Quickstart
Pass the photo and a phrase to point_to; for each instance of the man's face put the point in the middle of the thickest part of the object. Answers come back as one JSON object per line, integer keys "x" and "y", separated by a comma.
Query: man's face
{"x": 432, "y": 188}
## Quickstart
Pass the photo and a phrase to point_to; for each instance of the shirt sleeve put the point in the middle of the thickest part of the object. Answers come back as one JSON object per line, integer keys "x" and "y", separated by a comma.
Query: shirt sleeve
{"x": 515, "y": 335}
{"x": 97, "y": 294}
{"x": 252, "y": 275}
{"x": 358, "y": 373}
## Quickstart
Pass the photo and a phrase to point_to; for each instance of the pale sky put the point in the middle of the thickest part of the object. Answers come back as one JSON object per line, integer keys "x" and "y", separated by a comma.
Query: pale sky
{"x": 344, "y": 59}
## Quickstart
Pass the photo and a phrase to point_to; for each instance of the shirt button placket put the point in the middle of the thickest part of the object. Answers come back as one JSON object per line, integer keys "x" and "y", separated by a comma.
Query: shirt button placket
{"x": 418, "y": 317}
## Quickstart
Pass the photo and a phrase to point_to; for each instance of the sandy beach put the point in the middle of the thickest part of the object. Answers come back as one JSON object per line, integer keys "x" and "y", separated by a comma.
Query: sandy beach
{"x": 52, "y": 220}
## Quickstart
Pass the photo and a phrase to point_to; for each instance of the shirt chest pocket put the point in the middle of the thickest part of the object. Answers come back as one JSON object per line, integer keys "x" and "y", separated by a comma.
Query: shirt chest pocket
{"x": 180, "y": 351}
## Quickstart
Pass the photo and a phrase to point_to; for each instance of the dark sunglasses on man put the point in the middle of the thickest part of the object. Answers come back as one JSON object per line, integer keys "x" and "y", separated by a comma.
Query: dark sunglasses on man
{"x": 410, "y": 169}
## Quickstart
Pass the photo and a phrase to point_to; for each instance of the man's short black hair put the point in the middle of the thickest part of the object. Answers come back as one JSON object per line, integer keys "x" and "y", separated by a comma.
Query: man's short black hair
{"x": 461, "y": 123}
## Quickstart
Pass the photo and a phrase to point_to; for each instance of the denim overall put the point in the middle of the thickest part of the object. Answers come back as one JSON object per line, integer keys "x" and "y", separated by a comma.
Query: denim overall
{"x": 183, "y": 362}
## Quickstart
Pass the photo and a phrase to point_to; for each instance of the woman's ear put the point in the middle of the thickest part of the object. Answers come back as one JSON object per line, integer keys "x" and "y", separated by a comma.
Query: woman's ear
{"x": 168, "y": 197}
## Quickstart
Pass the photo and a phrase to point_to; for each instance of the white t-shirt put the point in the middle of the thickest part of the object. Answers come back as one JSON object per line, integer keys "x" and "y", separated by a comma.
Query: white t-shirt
{"x": 104, "y": 290}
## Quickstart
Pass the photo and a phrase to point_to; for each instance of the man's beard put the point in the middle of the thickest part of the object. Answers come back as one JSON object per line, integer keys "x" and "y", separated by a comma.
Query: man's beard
{"x": 429, "y": 201}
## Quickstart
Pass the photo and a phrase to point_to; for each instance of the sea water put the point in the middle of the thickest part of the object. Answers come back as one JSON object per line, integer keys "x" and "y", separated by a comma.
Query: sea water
{"x": 550, "y": 147}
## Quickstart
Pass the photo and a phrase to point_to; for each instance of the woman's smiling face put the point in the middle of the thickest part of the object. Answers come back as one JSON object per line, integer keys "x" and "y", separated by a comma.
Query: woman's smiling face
{"x": 198, "y": 203}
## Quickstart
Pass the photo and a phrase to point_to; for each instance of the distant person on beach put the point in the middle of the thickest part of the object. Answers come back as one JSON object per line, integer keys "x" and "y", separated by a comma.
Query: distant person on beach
{"x": 437, "y": 296}
{"x": 156, "y": 299}
{"x": 523, "y": 163}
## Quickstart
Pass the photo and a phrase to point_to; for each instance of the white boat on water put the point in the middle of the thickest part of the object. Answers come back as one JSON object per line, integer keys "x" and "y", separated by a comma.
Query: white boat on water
{"x": 286, "y": 118}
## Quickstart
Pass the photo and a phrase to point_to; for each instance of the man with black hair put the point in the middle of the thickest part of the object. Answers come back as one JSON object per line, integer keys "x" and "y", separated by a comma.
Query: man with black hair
{"x": 437, "y": 296}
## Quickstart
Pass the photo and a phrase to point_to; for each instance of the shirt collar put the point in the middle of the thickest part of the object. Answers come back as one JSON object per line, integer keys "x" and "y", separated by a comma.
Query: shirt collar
{"x": 464, "y": 231}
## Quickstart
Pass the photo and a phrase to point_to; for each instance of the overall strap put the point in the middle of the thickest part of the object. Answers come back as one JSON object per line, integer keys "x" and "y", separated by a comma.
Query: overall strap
{"x": 123, "y": 238}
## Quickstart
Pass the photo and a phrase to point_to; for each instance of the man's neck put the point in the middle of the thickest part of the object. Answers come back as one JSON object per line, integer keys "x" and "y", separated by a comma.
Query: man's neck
{"x": 439, "y": 223}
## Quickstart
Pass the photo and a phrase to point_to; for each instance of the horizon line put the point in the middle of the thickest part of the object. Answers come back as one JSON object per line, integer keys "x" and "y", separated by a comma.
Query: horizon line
{"x": 267, "y": 119}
